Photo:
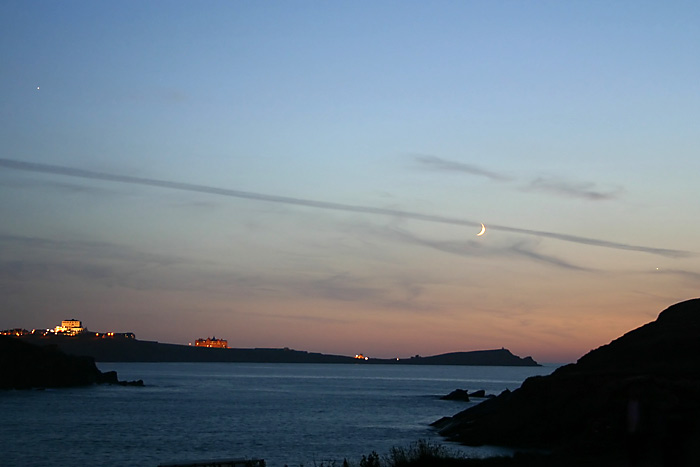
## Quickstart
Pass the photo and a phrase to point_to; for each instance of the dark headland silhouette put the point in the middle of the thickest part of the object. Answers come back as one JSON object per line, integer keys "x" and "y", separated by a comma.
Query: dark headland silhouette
{"x": 634, "y": 401}
{"x": 25, "y": 366}
{"x": 134, "y": 350}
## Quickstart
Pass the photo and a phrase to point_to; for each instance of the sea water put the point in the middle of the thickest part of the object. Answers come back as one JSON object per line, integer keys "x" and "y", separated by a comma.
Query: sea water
{"x": 286, "y": 414}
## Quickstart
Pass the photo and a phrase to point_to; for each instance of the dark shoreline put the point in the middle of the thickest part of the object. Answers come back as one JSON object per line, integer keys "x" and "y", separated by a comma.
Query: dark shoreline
{"x": 133, "y": 350}
{"x": 634, "y": 401}
{"x": 27, "y": 366}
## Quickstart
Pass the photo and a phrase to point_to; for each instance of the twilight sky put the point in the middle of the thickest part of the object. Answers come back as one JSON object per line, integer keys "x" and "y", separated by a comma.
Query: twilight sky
{"x": 313, "y": 174}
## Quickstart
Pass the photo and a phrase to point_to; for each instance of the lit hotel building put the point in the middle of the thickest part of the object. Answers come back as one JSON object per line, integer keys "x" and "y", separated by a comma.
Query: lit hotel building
{"x": 212, "y": 342}
{"x": 70, "y": 327}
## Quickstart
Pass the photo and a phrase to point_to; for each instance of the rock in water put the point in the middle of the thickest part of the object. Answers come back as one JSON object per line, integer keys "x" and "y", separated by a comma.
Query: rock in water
{"x": 457, "y": 395}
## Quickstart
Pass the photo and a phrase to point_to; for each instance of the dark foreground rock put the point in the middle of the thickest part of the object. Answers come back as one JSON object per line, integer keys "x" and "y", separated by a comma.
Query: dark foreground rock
{"x": 457, "y": 395}
{"x": 25, "y": 366}
{"x": 637, "y": 398}
{"x": 463, "y": 395}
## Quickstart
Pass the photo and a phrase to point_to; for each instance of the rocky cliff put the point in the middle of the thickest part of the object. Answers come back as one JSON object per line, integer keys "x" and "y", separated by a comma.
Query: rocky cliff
{"x": 638, "y": 395}
{"x": 24, "y": 366}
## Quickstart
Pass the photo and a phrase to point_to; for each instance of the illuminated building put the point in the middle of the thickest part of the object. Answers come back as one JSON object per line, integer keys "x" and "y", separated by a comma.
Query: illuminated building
{"x": 212, "y": 342}
{"x": 70, "y": 327}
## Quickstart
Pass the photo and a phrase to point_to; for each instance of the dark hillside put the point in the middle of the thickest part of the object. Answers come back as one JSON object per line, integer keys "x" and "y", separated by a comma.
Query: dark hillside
{"x": 637, "y": 396}
{"x": 24, "y": 366}
{"x": 500, "y": 357}
{"x": 133, "y": 350}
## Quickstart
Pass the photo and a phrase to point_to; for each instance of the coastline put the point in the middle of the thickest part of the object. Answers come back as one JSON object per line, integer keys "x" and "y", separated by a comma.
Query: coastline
{"x": 634, "y": 401}
{"x": 134, "y": 350}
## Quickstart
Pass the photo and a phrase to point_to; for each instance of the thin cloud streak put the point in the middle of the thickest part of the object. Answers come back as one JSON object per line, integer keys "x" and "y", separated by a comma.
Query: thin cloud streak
{"x": 475, "y": 249}
{"x": 570, "y": 189}
{"x": 558, "y": 187}
{"x": 595, "y": 242}
{"x": 525, "y": 250}
{"x": 436, "y": 163}
{"x": 87, "y": 174}
{"x": 32, "y": 260}
{"x": 691, "y": 276}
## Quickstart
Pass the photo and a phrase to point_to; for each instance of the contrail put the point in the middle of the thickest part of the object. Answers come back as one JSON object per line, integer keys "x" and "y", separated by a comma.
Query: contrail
{"x": 81, "y": 173}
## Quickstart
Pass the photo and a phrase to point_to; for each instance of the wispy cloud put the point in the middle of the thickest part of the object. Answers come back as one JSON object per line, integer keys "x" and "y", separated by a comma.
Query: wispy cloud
{"x": 595, "y": 242}
{"x": 527, "y": 250}
{"x": 32, "y": 263}
{"x": 342, "y": 287}
{"x": 64, "y": 188}
{"x": 690, "y": 276}
{"x": 550, "y": 185}
{"x": 472, "y": 248}
{"x": 437, "y": 163}
{"x": 82, "y": 248}
{"x": 571, "y": 189}
{"x": 29, "y": 260}
{"x": 395, "y": 213}
{"x": 397, "y": 294}
{"x": 23, "y": 270}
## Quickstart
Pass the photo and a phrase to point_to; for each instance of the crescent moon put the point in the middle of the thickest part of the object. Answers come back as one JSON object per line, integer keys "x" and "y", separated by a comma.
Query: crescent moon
{"x": 483, "y": 231}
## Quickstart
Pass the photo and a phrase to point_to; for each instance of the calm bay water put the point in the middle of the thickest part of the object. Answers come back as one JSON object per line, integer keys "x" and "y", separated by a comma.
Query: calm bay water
{"x": 289, "y": 414}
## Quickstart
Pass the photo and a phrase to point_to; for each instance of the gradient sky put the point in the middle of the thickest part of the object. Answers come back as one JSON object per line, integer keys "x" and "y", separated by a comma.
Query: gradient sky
{"x": 313, "y": 174}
